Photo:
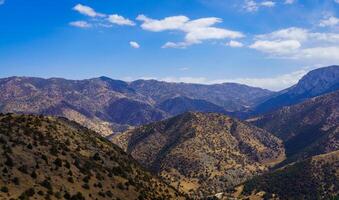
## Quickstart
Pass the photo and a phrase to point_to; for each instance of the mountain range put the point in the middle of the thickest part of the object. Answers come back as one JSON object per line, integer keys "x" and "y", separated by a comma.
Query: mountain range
{"x": 170, "y": 140}
{"x": 108, "y": 106}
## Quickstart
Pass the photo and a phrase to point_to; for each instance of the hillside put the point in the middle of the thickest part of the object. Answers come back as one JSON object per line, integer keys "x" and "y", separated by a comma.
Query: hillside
{"x": 316, "y": 82}
{"x": 106, "y": 105}
{"x": 202, "y": 154}
{"x": 53, "y": 158}
{"x": 314, "y": 178}
{"x": 308, "y": 128}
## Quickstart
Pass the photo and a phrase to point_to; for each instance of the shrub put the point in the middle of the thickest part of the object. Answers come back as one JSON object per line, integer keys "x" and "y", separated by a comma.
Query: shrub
{"x": 78, "y": 196}
{"x": 58, "y": 162}
{"x": 4, "y": 189}
{"x": 46, "y": 184}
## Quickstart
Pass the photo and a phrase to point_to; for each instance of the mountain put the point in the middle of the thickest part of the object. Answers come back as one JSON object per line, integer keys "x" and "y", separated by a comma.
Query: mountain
{"x": 230, "y": 96}
{"x": 106, "y": 105}
{"x": 317, "y": 82}
{"x": 308, "y": 128}
{"x": 202, "y": 153}
{"x": 314, "y": 178}
{"x": 54, "y": 158}
{"x": 179, "y": 105}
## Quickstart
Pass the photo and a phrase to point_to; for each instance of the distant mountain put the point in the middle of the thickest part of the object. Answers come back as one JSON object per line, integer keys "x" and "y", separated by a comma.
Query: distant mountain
{"x": 179, "y": 105}
{"x": 202, "y": 153}
{"x": 107, "y": 105}
{"x": 317, "y": 82}
{"x": 230, "y": 96}
{"x": 314, "y": 178}
{"x": 308, "y": 128}
{"x": 53, "y": 158}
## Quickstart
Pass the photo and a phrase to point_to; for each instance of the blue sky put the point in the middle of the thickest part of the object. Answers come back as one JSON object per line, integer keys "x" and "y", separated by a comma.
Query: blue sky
{"x": 269, "y": 44}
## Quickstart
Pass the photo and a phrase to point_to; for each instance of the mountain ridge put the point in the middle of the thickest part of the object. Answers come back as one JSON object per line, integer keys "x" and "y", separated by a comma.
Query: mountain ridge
{"x": 315, "y": 83}
{"x": 98, "y": 103}
{"x": 202, "y": 153}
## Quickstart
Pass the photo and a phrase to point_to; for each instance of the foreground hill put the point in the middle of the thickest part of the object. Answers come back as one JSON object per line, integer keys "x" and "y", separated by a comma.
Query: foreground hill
{"x": 106, "y": 105}
{"x": 316, "y": 82}
{"x": 53, "y": 158}
{"x": 202, "y": 154}
{"x": 308, "y": 128}
{"x": 313, "y": 178}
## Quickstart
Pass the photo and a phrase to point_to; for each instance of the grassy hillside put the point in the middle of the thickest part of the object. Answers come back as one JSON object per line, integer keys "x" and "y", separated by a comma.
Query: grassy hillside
{"x": 53, "y": 158}
{"x": 314, "y": 178}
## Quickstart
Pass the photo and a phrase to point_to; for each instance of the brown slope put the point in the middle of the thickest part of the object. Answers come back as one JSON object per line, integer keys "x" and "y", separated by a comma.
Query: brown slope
{"x": 94, "y": 103}
{"x": 308, "y": 128}
{"x": 202, "y": 154}
{"x": 53, "y": 158}
{"x": 313, "y": 178}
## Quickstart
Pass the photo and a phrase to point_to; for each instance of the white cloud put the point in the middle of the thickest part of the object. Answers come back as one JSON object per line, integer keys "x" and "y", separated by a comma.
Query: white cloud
{"x": 252, "y": 5}
{"x": 86, "y": 10}
{"x": 2, "y": 2}
{"x": 321, "y": 53}
{"x": 81, "y": 24}
{"x": 292, "y": 33}
{"x": 168, "y": 23}
{"x": 289, "y": 1}
{"x": 134, "y": 44}
{"x": 195, "y": 31}
{"x": 330, "y": 21}
{"x": 276, "y": 47}
{"x": 234, "y": 44}
{"x": 268, "y": 4}
{"x": 120, "y": 20}
{"x": 326, "y": 37}
{"x": 298, "y": 43}
{"x": 100, "y": 19}
{"x": 178, "y": 45}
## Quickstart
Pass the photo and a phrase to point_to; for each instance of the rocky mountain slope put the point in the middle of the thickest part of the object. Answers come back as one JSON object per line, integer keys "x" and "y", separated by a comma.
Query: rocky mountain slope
{"x": 107, "y": 105}
{"x": 308, "y": 128}
{"x": 201, "y": 153}
{"x": 316, "y": 82}
{"x": 313, "y": 178}
{"x": 53, "y": 158}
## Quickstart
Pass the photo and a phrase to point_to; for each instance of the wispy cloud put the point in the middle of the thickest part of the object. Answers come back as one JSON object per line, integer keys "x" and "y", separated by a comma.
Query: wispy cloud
{"x": 81, "y": 24}
{"x": 234, "y": 44}
{"x": 252, "y": 5}
{"x": 120, "y": 20}
{"x": 290, "y": 1}
{"x": 330, "y": 21}
{"x": 88, "y": 11}
{"x": 134, "y": 44}
{"x": 99, "y": 19}
{"x": 196, "y": 31}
